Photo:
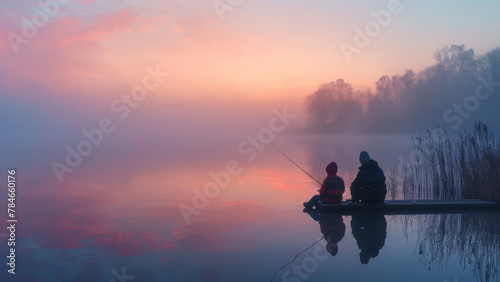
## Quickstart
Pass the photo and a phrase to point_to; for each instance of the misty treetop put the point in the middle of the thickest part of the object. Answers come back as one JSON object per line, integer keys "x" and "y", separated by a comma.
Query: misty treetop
{"x": 458, "y": 89}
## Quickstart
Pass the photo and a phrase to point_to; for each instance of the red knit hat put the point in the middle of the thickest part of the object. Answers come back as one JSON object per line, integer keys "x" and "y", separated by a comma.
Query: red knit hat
{"x": 331, "y": 168}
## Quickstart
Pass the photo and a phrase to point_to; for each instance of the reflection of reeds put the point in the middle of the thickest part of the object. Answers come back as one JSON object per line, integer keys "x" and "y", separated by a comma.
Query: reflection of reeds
{"x": 473, "y": 238}
{"x": 463, "y": 167}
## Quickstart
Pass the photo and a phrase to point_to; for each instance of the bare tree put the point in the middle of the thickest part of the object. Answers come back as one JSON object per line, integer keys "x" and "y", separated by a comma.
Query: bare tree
{"x": 455, "y": 60}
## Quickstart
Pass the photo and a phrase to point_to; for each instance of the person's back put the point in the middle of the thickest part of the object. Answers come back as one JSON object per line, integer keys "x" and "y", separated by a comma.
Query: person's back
{"x": 334, "y": 188}
{"x": 369, "y": 185}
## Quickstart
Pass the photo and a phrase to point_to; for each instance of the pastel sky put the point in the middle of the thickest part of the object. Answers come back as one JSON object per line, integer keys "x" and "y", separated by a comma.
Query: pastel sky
{"x": 258, "y": 47}
{"x": 254, "y": 56}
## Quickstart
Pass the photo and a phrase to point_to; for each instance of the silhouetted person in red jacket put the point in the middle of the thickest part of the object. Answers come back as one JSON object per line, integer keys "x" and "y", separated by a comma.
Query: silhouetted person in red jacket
{"x": 331, "y": 190}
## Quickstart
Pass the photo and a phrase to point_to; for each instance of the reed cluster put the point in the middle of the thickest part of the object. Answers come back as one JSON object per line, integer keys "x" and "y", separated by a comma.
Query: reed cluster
{"x": 466, "y": 166}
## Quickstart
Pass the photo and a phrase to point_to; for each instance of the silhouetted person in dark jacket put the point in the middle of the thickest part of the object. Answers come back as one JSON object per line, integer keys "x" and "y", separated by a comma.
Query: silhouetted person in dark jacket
{"x": 369, "y": 185}
{"x": 369, "y": 230}
{"x": 331, "y": 190}
{"x": 332, "y": 227}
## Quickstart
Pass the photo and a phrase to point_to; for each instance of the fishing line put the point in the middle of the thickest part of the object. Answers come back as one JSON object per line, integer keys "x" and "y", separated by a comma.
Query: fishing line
{"x": 295, "y": 163}
{"x": 274, "y": 276}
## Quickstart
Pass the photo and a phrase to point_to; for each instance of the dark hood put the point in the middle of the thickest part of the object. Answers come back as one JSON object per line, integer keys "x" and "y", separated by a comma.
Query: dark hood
{"x": 331, "y": 168}
{"x": 370, "y": 165}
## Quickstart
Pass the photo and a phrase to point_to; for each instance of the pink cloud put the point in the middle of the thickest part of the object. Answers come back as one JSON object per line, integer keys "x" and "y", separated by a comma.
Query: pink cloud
{"x": 108, "y": 25}
{"x": 65, "y": 46}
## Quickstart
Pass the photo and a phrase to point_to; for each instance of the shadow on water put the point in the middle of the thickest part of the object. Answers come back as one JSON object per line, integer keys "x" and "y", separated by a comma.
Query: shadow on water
{"x": 468, "y": 239}
{"x": 332, "y": 228}
{"x": 472, "y": 237}
{"x": 369, "y": 230}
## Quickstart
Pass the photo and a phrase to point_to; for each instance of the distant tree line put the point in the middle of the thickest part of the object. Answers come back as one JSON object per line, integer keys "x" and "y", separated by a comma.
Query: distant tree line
{"x": 447, "y": 92}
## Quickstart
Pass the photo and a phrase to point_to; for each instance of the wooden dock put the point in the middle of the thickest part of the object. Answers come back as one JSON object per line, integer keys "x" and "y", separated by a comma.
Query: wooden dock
{"x": 413, "y": 206}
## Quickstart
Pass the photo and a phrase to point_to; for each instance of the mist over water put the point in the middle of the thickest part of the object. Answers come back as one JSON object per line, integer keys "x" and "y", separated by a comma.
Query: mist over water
{"x": 105, "y": 217}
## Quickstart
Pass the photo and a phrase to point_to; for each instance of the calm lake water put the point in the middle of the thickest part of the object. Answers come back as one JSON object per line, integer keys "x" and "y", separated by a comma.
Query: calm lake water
{"x": 119, "y": 220}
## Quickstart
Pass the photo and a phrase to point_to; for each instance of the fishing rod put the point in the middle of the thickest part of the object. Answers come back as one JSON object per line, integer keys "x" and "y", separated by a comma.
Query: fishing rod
{"x": 295, "y": 163}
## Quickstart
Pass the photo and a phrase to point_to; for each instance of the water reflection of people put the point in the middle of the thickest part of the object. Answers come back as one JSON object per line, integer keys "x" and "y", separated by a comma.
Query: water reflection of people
{"x": 369, "y": 230}
{"x": 332, "y": 227}
{"x": 331, "y": 190}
